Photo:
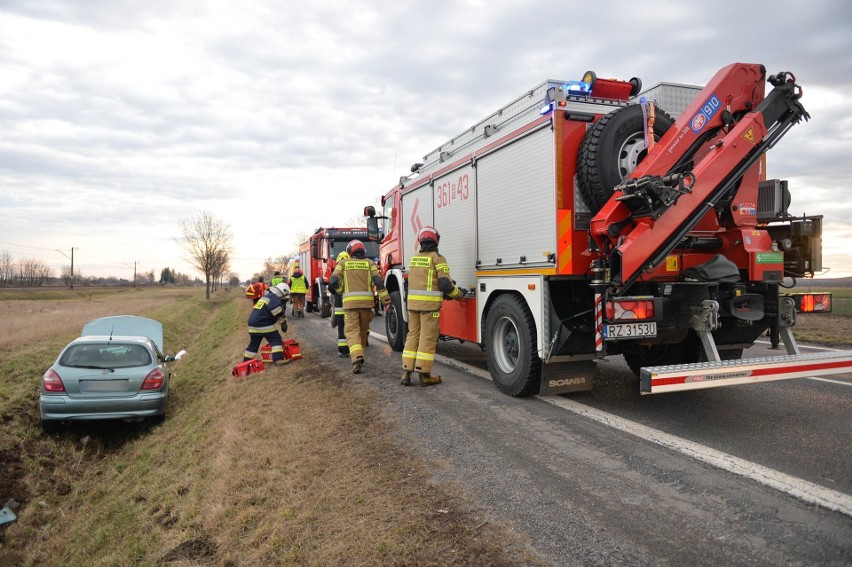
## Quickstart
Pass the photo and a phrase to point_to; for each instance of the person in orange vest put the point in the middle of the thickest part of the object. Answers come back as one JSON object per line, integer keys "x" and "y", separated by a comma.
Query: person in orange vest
{"x": 256, "y": 290}
{"x": 353, "y": 278}
{"x": 429, "y": 282}
{"x": 298, "y": 290}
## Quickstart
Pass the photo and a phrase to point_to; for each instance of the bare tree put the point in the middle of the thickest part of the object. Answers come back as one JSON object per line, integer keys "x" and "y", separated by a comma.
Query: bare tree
{"x": 221, "y": 266}
{"x": 7, "y": 268}
{"x": 208, "y": 241}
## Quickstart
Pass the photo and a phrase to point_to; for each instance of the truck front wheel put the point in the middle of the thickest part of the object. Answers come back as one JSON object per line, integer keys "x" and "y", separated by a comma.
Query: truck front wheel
{"x": 510, "y": 346}
{"x": 395, "y": 325}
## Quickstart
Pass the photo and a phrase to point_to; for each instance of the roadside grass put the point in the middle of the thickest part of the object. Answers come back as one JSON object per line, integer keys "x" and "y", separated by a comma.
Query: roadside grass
{"x": 293, "y": 466}
{"x": 28, "y": 317}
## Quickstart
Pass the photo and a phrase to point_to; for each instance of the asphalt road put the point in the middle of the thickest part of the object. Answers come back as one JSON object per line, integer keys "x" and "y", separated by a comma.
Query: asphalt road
{"x": 582, "y": 491}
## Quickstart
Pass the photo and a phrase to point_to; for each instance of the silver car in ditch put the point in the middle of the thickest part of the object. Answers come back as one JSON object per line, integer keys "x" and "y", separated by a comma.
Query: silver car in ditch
{"x": 115, "y": 370}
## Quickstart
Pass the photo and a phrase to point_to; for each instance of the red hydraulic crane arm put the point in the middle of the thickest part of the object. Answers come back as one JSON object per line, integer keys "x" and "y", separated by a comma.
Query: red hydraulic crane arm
{"x": 653, "y": 210}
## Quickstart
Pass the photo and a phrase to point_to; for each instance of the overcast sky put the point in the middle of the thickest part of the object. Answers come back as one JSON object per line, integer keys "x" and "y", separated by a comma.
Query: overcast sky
{"x": 119, "y": 118}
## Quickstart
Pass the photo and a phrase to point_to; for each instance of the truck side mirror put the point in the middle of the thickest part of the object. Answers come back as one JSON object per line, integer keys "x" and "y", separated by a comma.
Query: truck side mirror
{"x": 369, "y": 211}
{"x": 373, "y": 228}
{"x": 315, "y": 249}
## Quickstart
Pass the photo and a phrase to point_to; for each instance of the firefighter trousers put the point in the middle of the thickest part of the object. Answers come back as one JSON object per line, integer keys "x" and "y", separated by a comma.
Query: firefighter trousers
{"x": 356, "y": 327}
{"x": 419, "y": 351}
{"x": 337, "y": 321}
{"x": 274, "y": 340}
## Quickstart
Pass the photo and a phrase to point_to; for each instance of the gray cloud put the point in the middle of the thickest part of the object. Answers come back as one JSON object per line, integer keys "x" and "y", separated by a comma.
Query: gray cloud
{"x": 114, "y": 108}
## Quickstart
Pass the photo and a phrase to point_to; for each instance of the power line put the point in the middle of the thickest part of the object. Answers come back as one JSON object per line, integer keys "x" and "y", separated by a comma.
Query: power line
{"x": 25, "y": 246}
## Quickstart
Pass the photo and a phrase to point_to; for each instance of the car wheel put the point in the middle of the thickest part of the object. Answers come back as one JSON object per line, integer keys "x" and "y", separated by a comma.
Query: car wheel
{"x": 510, "y": 346}
{"x": 395, "y": 326}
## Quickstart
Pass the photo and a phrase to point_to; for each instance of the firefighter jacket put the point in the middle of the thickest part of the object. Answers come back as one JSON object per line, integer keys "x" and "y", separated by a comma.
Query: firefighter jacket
{"x": 275, "y": 281}
{"x": 266, "y": 312}
{"x": 354, "y": 279}
{"x": 298, "y": 282}
{"x": 429, "y": 281}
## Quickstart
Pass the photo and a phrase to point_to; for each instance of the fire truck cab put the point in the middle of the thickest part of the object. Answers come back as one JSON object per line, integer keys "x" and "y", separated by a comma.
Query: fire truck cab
{"x": 318, "y": 257}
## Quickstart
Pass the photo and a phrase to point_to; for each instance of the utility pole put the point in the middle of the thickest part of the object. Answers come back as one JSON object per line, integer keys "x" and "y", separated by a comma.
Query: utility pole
{"x": 134, "y": 274}
{"x": 72, "y": 263}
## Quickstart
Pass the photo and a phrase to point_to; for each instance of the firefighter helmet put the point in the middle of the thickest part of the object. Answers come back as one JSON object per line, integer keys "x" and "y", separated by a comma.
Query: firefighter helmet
{"x": 354, "y": 246}
{"x": 428, "y": 233}
{"x": 281, "y": 290}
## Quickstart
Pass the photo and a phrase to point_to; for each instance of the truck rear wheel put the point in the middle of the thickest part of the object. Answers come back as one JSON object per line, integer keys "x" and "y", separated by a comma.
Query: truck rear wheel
{"x": 510, "y": 346}
{"x": 611, "y": 149}
{"x": 395, "y": 326}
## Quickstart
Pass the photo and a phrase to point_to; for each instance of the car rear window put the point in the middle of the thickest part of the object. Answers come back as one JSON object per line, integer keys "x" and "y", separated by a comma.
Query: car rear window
{"x": 104, "y": 355}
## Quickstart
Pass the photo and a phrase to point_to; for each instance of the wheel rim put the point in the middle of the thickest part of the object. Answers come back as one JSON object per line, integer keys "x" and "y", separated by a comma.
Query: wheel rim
{"x": 506, "y": 345}
{"x": 632, "y": 152}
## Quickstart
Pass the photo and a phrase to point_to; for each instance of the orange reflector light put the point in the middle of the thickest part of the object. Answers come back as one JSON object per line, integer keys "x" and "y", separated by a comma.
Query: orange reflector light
{"x": 631, "y": 309}
{"x": 814, "y": 303}
{"x": 531, "y": 286}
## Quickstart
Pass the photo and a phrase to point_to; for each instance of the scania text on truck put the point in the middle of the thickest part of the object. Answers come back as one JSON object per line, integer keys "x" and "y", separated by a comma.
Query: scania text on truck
{"x": 590, "y": 223}
{"x": 318, "y": 256}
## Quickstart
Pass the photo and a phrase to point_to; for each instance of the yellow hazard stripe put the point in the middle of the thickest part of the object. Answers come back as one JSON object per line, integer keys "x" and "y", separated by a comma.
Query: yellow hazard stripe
{"x": 425, "y": 356}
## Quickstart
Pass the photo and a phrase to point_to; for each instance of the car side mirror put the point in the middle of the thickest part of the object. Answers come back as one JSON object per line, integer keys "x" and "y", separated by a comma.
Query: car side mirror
{"x": 172, "y": 358}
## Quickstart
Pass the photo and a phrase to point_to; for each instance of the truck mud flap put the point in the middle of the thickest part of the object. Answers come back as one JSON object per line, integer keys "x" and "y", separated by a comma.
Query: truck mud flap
{"x": 676, "y": 378}
{"x": 566, "y": 377}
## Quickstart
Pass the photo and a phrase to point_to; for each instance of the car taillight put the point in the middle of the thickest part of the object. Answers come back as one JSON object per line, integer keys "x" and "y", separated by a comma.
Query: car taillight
{"x": 629, "y": 309}
{"x": 51, "y": 382}
{"x": 154, "y": 380}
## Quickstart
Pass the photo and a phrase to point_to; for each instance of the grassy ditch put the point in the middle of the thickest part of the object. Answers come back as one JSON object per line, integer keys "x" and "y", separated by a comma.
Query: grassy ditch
{"x": 293, "y": 466}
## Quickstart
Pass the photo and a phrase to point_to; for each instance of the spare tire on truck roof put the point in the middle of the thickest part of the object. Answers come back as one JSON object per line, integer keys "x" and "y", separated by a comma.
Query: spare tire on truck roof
{"x": 611, "y": 149}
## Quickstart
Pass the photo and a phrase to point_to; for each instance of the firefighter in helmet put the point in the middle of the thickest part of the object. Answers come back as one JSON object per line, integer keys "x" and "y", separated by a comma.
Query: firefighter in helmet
{"x": 429, "y": 282}
{"x": 337, "y": 317}
{"x": 261, "y": 323}
{"x": 353, "y": 279}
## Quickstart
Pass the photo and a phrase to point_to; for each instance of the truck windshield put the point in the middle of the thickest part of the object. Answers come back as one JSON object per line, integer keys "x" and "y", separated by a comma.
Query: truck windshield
{"x": 371, "y": 247}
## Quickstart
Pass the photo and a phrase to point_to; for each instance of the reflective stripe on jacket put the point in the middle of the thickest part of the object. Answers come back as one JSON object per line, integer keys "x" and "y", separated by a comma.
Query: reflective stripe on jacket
{"x": 424, "y": 288}
{"x": 354, "y": 278}
{"x": 265, "y": 314}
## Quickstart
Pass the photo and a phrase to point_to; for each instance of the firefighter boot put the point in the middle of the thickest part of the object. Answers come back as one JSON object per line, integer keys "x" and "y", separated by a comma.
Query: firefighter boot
{"x": 406, "y": 378}
{"x": 427, "y": 379}
{"x": 356, "y": 366}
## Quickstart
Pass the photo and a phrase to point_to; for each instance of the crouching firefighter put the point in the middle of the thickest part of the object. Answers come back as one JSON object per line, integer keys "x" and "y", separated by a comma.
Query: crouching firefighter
{"x": 353, "y": 279}
{"x": 337, "y": 317}
{"x": 428, "y": 283}
{"x": 261, "y": 323}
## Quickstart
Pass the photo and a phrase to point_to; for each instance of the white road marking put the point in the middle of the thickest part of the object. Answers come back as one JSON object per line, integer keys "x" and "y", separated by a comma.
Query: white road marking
{"x": 829, "y": 380}
{"x": 790, "y": 485}
{"x": 796, "y": 487}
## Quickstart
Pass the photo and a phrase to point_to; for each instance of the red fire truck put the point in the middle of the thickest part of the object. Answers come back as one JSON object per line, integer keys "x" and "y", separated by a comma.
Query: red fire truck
{"x": 590, "y": 223}
{"x": 318, "y": 256}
